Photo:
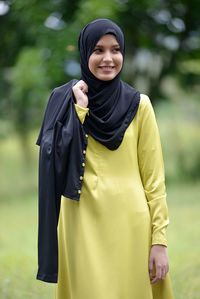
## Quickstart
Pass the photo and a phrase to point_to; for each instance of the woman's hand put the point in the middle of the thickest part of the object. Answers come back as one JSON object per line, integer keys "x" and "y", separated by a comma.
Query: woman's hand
{"x": 80, "y": 89}
{"x": 158, "y": 257}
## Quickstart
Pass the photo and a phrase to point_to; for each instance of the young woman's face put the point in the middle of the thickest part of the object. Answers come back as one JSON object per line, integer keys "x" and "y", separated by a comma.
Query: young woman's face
{"x": 106, "y": 60}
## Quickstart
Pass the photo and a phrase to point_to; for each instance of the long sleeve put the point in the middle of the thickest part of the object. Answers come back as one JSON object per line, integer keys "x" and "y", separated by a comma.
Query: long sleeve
{"x": 81, "y": 112}
{"x": 152, "y": 172}
{"x": 49, "y": 205}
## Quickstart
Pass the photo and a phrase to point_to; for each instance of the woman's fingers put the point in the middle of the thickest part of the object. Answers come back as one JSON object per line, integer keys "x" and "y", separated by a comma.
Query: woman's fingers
{"x": 84, "y": 87}
{"x": 161, "y": 272}
{"x": 151, "y": 267}
{"x": 81, "y": 85}
{"x": 158, "y": 274}
{"x": 80, "y": 89}
{"x": 158, "y": 258}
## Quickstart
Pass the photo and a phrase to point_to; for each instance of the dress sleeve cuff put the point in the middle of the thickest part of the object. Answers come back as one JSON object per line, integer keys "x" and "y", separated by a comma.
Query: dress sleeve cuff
{"x": 81, "y": 112}
{"x": 159, "y": 240}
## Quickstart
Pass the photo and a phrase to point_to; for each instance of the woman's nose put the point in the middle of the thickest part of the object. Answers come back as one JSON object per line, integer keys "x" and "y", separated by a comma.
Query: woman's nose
{"x": 107, "y": 57}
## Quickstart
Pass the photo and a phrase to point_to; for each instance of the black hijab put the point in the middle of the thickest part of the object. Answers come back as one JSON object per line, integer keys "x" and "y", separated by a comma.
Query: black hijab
{"x": 112, "y": 104}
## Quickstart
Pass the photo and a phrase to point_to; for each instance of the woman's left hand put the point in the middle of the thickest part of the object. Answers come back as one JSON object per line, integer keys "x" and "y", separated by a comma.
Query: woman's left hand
{"x": 158, "y": 258}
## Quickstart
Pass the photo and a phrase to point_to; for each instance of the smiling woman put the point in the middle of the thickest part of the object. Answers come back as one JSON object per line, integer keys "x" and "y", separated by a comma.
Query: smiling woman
{"x": 106, "y": 60}
{"x": 102, "y": 181}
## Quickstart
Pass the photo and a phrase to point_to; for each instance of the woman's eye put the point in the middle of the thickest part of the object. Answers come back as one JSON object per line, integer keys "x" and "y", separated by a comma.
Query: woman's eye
{"x": 116, "y": 49}
{"x": 97, "y": 50}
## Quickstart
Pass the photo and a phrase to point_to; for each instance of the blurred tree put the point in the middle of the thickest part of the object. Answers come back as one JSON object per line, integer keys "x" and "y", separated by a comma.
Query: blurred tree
{"x": 161, "y": 36}
{"x": 29, "y": 87}
{"x": 26, "y": 23}
{"x": 36, "y": 44}
{"x": 39, "y": 47}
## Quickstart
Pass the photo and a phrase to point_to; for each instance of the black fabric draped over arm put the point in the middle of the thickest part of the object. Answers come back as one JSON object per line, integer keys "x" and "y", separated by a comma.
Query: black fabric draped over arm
{"x": 60, "y": 156}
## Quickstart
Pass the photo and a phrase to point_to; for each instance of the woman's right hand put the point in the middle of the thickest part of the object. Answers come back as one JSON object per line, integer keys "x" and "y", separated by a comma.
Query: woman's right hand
{"x": 80, "y": 89}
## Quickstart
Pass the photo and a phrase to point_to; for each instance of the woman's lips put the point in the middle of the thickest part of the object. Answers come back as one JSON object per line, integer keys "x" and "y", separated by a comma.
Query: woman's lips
{"x": 105, "y": 68}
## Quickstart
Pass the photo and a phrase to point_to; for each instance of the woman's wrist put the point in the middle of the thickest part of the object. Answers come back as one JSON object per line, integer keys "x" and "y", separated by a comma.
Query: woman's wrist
{"x": 159, "y": 246}
{"x": 81, "y": 104}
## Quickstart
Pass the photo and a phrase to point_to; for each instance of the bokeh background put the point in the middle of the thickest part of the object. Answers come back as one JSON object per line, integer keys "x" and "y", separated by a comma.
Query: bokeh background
{"x": 38, "y": 51}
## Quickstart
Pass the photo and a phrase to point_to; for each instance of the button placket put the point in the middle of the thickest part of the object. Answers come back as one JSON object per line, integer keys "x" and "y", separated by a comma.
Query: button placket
{"x": 83, "y": 163}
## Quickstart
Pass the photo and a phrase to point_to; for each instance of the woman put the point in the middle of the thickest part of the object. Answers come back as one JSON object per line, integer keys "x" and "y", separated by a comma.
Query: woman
{"x": 111, "y": 230}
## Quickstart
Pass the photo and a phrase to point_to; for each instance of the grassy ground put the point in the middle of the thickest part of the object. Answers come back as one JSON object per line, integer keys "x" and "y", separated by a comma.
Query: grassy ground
{"x": 18, "y": 251}
{"x": 18, "y": 222}
{"x": 18, "y": 234}
{"x": 184, "y": 239}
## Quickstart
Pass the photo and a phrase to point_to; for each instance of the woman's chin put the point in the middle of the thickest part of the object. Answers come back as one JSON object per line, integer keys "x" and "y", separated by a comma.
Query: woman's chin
{"x": 106, "y": 77}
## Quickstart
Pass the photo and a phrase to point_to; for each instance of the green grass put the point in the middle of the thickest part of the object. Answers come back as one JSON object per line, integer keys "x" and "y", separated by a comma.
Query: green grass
{"x": 18, "y": 234}
{"x": 18, "y": 251}
{"x": 184, "y": 239}
{"x": 18, "y": 222}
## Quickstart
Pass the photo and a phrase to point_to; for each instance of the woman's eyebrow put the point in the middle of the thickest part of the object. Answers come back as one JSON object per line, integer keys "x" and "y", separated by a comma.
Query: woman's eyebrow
{"x": 101, "y": 46}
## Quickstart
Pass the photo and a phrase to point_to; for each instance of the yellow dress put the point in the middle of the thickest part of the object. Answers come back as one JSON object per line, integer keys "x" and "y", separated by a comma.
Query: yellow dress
{"x": 105, "y": 238}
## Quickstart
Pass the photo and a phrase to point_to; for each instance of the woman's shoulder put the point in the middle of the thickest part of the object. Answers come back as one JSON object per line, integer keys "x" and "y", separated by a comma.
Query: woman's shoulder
{"x": 144, "y": 99}
{"x": 145, "y": 103}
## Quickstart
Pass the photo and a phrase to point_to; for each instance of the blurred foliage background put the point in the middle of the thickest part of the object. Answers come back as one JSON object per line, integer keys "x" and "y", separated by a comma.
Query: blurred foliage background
{"x": 38, "y": 51}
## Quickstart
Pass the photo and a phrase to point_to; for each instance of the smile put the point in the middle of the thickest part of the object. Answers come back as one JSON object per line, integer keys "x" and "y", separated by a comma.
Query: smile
{"x": 106, "y": 68}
